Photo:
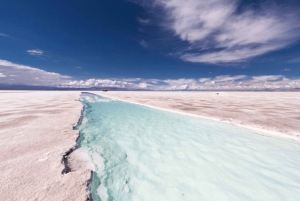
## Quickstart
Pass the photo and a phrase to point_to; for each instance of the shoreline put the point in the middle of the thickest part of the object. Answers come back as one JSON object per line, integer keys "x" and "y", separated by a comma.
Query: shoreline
{"x": 36, "y": 132}
{"x": 67, "y": 155}
{"x": 65, "y": 158}
{"x": 259, "y": 131}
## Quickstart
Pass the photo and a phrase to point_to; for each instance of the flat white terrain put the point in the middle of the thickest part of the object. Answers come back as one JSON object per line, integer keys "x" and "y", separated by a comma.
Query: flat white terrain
{"x": 36, "y": 129}
{"x": 270, "y": 112}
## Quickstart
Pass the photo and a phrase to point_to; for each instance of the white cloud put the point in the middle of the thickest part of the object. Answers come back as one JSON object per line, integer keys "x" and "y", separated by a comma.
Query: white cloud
{"x": 230, "y": 55}
{"x": 267, "y": 78}
{"x": 36, "y": 52}
{"x": 16, "y": 74}
{"x": 204, "y": 80}
{"x": 225, "y": 82}
{"x": 143, "y": 21}
{"x": 143, "y": 85}
{"x": 219, "y": 31}
{"x": 111, "y": 83}
{"x": 228, "y": 78}
{"x": 26, "y": 75}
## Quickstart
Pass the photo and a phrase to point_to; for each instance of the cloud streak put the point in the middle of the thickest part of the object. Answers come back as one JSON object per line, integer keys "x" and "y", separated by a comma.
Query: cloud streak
{"x": 296, "y": 60}
{"x": 16, "y": 74}
{"x": 4, "y": 35}
{"x": 36, "y": 52}
{"x": 223, "y": 31}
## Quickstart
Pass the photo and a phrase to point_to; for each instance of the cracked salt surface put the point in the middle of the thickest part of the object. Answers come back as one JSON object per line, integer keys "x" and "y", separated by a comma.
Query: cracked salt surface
{"x": 140, "y": 153}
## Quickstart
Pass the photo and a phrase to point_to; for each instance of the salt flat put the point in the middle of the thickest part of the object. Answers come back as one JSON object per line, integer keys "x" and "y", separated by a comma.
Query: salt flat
{"x": 140, "y": 153}
{"x": 36, "y": 129}
{"x": 270, "y": 112}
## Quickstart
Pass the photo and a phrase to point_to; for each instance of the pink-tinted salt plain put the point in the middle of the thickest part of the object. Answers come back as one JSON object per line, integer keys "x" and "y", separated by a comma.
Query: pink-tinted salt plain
{"x": 276, "y": 113}
{"x": 36, "y": 130}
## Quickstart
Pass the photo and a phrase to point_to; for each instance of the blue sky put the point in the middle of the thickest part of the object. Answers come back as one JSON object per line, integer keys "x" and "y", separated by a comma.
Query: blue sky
{"x": 154, "y": 44}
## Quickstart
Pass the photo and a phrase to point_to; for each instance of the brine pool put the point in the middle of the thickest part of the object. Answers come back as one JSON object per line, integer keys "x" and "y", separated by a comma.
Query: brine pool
{"x": 144, "y": 154}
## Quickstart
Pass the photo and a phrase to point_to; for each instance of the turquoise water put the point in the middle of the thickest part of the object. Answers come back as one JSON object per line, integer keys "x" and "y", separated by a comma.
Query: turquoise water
{"x": 141, "y": 153}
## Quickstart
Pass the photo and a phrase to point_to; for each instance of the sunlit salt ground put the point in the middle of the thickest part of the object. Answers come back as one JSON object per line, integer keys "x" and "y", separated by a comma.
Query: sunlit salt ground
{"x": 140, "y": 153}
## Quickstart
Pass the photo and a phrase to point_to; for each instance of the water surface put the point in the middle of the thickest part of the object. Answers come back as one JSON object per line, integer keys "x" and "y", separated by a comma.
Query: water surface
{"x": 140, "y": 153}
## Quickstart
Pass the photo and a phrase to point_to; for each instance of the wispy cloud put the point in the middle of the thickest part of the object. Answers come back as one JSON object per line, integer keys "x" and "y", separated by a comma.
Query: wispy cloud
{"x": 16, "y": 74}
{"x": 143, "y": 21}
{"x": 144, "y": 44}
{"x": 222, "y": 31}
{"x": 228, "y": 78}
{"x": 4, "y": 35}
{"x": 296, "y": 60}
{"x": 35, "y": 52}
{"x": 266, "y": 78}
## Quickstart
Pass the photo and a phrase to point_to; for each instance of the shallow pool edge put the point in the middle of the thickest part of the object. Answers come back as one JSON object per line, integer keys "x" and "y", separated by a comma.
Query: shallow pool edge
{"x": 258, "y": 131}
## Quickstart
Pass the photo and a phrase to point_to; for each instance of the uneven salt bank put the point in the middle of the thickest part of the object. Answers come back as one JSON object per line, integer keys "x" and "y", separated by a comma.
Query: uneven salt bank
{"x": 140, "y": 153}
{"x": 36, "y": 130}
